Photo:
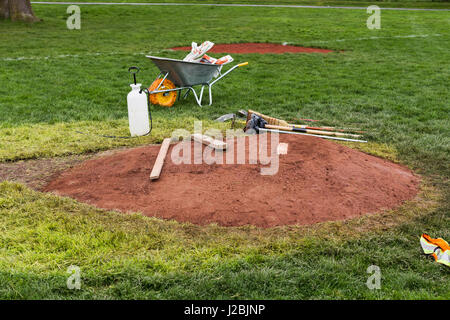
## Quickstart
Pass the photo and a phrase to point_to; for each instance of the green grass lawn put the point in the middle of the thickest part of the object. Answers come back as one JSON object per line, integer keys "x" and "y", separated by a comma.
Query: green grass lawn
{"x": 392, "y": 82}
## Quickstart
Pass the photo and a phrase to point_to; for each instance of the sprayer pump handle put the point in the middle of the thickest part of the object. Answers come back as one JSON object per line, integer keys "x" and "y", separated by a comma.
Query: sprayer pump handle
{"x": 133, "y": 73}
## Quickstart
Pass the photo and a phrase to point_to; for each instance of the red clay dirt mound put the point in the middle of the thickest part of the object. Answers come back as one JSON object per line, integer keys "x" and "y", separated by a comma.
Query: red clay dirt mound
{"x": 257, "y": 48}
{"x": 318, "y": 180}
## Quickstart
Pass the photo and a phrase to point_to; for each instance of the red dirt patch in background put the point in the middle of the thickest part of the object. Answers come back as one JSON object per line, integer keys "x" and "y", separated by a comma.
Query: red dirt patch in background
{"x": 257, "y": 48}
{"x": 318, "y": 180}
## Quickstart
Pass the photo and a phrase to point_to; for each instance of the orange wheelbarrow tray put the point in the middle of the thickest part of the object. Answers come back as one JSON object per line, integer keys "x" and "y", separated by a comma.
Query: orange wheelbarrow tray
{"x": 186, "y": 75}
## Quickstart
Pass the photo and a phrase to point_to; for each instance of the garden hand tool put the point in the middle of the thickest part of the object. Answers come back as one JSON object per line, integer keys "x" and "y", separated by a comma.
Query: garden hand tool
{"x": 226, "y": 117}
{"x": 259, "y": 124}
{"x": 274, "y": 123}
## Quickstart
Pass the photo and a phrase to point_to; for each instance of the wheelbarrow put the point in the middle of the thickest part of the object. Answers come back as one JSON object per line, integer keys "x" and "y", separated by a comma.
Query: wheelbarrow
{"x": 178, "y": 75}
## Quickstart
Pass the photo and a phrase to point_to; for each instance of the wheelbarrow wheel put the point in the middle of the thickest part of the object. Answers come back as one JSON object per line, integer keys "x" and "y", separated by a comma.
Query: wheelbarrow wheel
{"x": 165, "y": 99}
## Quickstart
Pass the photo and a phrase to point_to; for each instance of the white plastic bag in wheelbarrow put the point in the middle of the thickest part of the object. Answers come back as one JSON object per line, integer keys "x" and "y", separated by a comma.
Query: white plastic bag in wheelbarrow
{"x": 224, "y": 60}
{"x": 221, "y": 62}
{"x": 197, "y": 52}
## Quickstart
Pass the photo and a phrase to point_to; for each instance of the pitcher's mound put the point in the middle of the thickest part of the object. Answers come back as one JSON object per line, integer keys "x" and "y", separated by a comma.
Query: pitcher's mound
{"x": 257, "y": 48}
{"x": 317, "y": 180}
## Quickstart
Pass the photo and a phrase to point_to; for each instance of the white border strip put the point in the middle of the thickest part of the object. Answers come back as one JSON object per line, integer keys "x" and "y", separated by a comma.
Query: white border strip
{"x": 227, "y": 5}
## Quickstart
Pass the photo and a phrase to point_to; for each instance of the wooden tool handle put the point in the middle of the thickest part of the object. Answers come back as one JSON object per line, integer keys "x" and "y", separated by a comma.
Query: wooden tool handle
{"x": 325, "y": 133}
{"x": 270, "y": 120}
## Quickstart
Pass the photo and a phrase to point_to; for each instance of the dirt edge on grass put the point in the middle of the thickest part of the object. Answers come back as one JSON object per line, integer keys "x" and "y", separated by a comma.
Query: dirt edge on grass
{"x": 426, "y": 201}
{"x": 316, "y": 181}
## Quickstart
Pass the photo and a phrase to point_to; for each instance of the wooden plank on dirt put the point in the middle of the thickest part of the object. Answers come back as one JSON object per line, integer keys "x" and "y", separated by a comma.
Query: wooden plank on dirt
{"x": 157, "y": 167}
{"x": 206, "y": 140}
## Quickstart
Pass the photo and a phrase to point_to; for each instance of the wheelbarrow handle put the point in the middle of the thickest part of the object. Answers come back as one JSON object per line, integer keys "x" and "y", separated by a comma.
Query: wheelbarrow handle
{"x": 228, "y": 71}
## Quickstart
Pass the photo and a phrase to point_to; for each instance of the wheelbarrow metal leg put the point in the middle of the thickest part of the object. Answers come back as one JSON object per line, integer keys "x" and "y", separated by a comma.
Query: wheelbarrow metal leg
{"x": 199, "y": 101}
{"x": 160, "y": 84}
{"x": 210, "y": 95}
{"x": 201, "y": 94}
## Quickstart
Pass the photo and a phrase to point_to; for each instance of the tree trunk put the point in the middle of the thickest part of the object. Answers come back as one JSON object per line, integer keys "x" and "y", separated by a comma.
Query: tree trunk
{"x": 17, "y": 10}
{"x": 4, "y": 9}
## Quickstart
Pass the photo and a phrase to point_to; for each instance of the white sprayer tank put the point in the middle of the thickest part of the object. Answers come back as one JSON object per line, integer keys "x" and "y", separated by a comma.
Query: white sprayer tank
{"x": 138, "y": 111}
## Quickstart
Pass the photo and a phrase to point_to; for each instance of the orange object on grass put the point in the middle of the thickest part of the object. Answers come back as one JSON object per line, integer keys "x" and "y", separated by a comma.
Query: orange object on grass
{"x": 165, "y": 99}
{"x": 438, "y": 248}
